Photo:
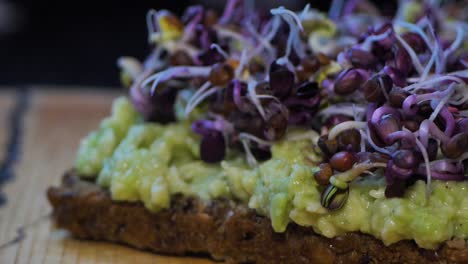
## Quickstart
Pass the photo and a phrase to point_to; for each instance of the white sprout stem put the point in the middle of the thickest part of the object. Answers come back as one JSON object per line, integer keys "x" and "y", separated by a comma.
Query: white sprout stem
{"x": 355, "y": 114}
{"x": 335, "y": 9}
{"x": 440, "y": 61}
{"x": 219, "y": 50}
{"x": 343, "y": 109}
{"x": 274, "y": 28}
{"x": 264, "y": 42}
{"x": 413, "y": 79}
{"x": 428, "y": 170}
{"x": 300, "y": 51}
{"x": 267, "y": 96}
{"x": 131, "y": 66}
{"x": 150, "y": 22}
{"x": 153, "y": 62}
{"x": 373, "y": 145}
{"x": 220, "y": 123}
{"x": 195, "y": 70}
{"x": 172, "y": 47}
{"x": 428, "y": 128}
{"x": 311, "y": 135}
{"x": 250, "y": 157}
{"x": 249, "y": 7}
{"x": 242, "y": 62}
{"x": 284, "y": 61}
{"x": 135, "y": 90}
{"x": 414, "y": 28}
{"x": 442, "y": 102}
{"x": 463, "y": 113}
{"x": 456, "y": 43}
{"x": 304, "y": 12}
{"x": 202, "y": 97}
{"x": 428, "y": 66}
{"x": 175, "y": 72}
{"x": 462, "y": 157}
{"x": 189, "y": 30}
{"x": 223, "y": 32}
{"x": 417, "y": 64}
{"x": 247, "y": 136}
{"x": 433, "y": 81}
{"x": 463, "y": 73}
{"x": 252, "y": 95}
{"x": 259, "y": 49}
{"x": 203, "y": 88}
{"x": 357, "y": 170}
{"x": 281, "y": 11}
{"x": 461, "y": 96}
{"x": 366, "y": 45}
{"x": 465, "y": 64}
{"x": 369, "y": 173}
{"x": 363, "y": 140}
{"x": 291, "y": 18}
{"x": 336, "y": 130}
{"x": 382, "y": 88}
{"x": 195, "y": 96}
{"x": 289, "y": 44}
{"x": 227, "y": 14}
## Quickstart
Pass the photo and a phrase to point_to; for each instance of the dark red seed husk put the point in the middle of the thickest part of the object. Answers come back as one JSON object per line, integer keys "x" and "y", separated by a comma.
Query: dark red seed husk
{"x": 251, "y": 123}
{"x": 403, "y": 62}
{"x": 461, "y": 126}
{"x": 342, "y": 161}
{"x": 322, "y": 177}
{"x": 411, "y": 125}
{"x": 221, "y": 74}
{"x": 373, "y": 90}
{"x": 327, "y": 146}
{"x": 323, "y": 59}
{"x": 349, "y": 140}
{"x": 405, "y": 159}
{"x": 361, "y": 58}
{"x": 348, "y": 81}
{"x": 336, "y": 119}
{"x": 388, "y": 124}
{"x": 213, "y": 147}
{"x": 396, "y": 189}
{"x": 307, "y": 90}
{"x": 180, "y": 58}
{"x": 371, "y": 157}
{"x": 255, "y": 67}
{"x": 414, "y": 41}
{"x": 432, "y": 148}
{"x": 397, "y": 96}
{"x": 276, "y": 121}
{"x": 164, "y": 99}
{"x": 310, "y": 64}
{"x": 261, "y": 154}
{"x": 456, "y": 146}
{"x": 281, "y": 82}
{"x": 398, "y": 77}
{"x": 211, "y": 17}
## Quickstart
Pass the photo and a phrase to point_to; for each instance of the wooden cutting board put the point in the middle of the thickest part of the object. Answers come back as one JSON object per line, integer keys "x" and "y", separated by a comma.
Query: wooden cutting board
{"x": 52, "y": 125}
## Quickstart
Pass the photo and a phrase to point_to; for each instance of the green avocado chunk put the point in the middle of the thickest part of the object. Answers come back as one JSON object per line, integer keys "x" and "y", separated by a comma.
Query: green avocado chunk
{"x": 147, "y": 162}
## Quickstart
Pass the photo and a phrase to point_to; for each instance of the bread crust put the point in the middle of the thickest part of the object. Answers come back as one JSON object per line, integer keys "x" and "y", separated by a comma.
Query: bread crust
{"x": 222, "y": 230}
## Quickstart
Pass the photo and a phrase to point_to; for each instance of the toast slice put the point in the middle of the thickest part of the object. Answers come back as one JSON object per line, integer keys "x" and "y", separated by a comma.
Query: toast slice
{"x": 222, "y": 230}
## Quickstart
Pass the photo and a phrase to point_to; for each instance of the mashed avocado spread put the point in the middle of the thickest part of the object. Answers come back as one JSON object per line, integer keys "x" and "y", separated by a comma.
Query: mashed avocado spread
{"x": 150, "y": 162}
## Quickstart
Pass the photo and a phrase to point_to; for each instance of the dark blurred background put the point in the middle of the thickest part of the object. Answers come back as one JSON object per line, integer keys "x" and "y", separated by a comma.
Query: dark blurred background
{"x": 78, "y": 42}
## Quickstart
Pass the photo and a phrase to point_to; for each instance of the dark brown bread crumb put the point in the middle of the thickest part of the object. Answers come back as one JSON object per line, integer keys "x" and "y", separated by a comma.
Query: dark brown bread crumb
{"x": 221, "y": 229}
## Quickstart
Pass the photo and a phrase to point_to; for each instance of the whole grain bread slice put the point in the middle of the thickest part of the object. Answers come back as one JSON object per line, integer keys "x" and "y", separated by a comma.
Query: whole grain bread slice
{"x": 222, "y": 230}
